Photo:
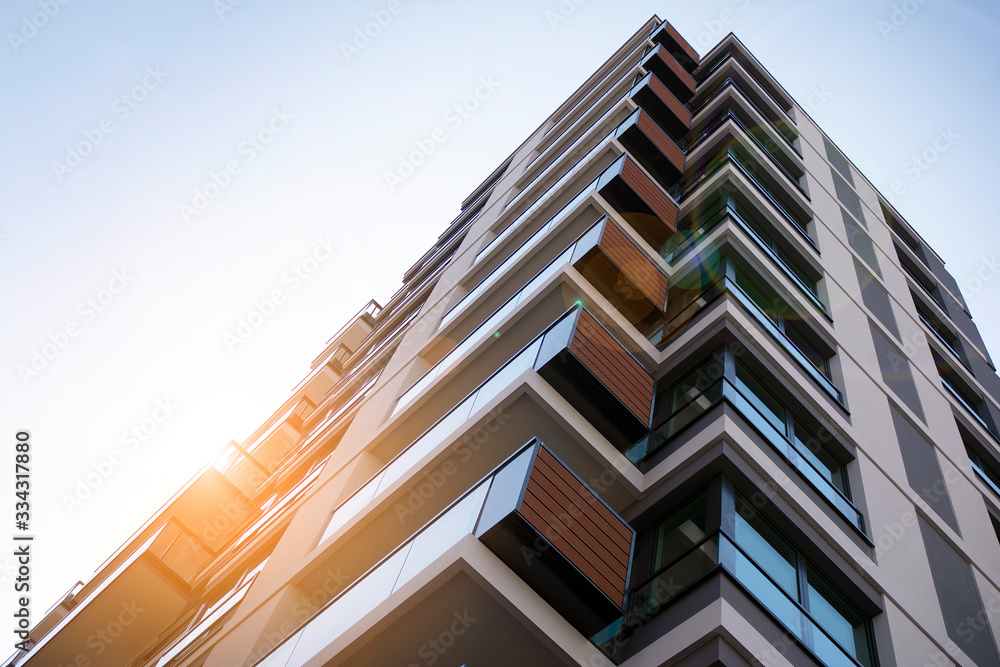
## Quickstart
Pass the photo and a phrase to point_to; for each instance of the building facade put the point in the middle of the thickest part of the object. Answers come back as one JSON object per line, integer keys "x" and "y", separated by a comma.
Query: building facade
{"x": 677, "y": 387}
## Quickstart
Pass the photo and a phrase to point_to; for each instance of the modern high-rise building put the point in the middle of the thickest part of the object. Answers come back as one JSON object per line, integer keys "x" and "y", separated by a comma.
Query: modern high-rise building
{"x": 677, "y": 387}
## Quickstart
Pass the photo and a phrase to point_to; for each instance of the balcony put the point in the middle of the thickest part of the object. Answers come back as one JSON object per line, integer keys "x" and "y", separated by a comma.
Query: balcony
{"x": 623, "y": 274}
{"x": 650, "y": 145}
{"x": 733, "y": 77}
{"x": 326, "y": 371}
{"x": 242, "y": 470}
{"x": 656, "y": 99}
{"x": 126, "y": 614}
{"x": 604, "y": 255}
{"x": 283, "y": 434}
{"x": 598, "y": 376}
{"x": 669, "y": 39}
{"x": 579, "y": 551}
{"x": 647, "y": 208}
{"x": 678, "y": 80}
{"x": 791, "y": 170}
{"x": 730, "y": 204}
{"x": 736, "y": 58}
{"x": 211, "y": 508}
{"x": 527, "y": 492}
{"x": 784, "y": 203}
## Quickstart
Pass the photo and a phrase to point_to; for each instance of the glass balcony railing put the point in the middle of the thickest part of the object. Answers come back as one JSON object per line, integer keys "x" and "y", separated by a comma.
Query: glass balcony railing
{"x": 967, "y": 403}
{"x": 432, "y": 437}
{"x": 766, "y": 150}
{"x": 712, "y": 553}
{"x": 780, "y": 126}
{"x": 596, "y": 103}
{"x": 596, "y": 86}
{"x": 802, "y": 355}
{"x": 729, "y": 206}
{"x": 535, "y": 355}
{"x": 504, "y": 268}
{"x": 730, "y": 156}
{"x": 381, "y": 581}
{"x": 792, "y": 449}
{"x": 465, "y": 516}
{"x": 543, "y": 198}
{"x": 486, "y": 329}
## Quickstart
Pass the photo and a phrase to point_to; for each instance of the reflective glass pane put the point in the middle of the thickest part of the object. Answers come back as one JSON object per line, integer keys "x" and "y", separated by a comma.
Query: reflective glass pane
{"x": 809, "y": 447}
{"x": 836, "y": 616}
{"x": 807, "y": 348}
{"x": 761, "y": 297}
{"x": 352, "y": 506}
{"x": 506, "y": 375}
{"x": 760, "y": 397}
{"x": 426, "y": 443}
{"x": 444, "y": 533}
{"x": 545, "y": 274}
{"x": 347, "y": 609}
{"x": 770, "y": 596}
{"x": 678, "y": 533}
{"x": 675, "y": 579}
{"x": 505, "y": 490}
{"x": 767, "y": 549}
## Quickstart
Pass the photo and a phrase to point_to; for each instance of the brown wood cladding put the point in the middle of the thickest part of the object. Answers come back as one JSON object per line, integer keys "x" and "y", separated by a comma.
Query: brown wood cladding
{"x": 618, "y": 531}
{"x": 675, "y": 67}
{"x": 578, "y": 524}
{"x": 681, "y": 42}
{"x": 661, "y": 140}
{"x": 635, "y": 264}
{"x": 611, "y": 364}
{"x": 672, "y": 102}
{"x": 655, "y": 198}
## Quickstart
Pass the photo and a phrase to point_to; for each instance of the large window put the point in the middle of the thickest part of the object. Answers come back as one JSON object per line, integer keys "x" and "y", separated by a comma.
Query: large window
{"x": 733, "y": 376}
{"x": 963, "y": 392}
{"x": 801, "y": 582}
{"x": 721, "y": 529}
{"x": 784, "y": 317}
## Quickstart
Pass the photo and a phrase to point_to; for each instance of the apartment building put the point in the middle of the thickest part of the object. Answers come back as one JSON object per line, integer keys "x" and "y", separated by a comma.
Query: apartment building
{"x": 677, "y": 387}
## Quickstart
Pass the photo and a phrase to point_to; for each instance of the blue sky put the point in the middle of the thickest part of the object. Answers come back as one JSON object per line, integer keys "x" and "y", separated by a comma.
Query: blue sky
{"x": 275, "y": 125}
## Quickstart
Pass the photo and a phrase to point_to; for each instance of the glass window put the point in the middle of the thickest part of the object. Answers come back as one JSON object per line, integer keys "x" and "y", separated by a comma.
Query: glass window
{"x": 847, "y": 627}
{"x": 768, "y": 303}
{"x": 809, "y": 446}
{"x": 760, "y": 397}
{"x": 680, "y": 532}
{"x": 771, "y": 553}
{"x": 801, "y": 340}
